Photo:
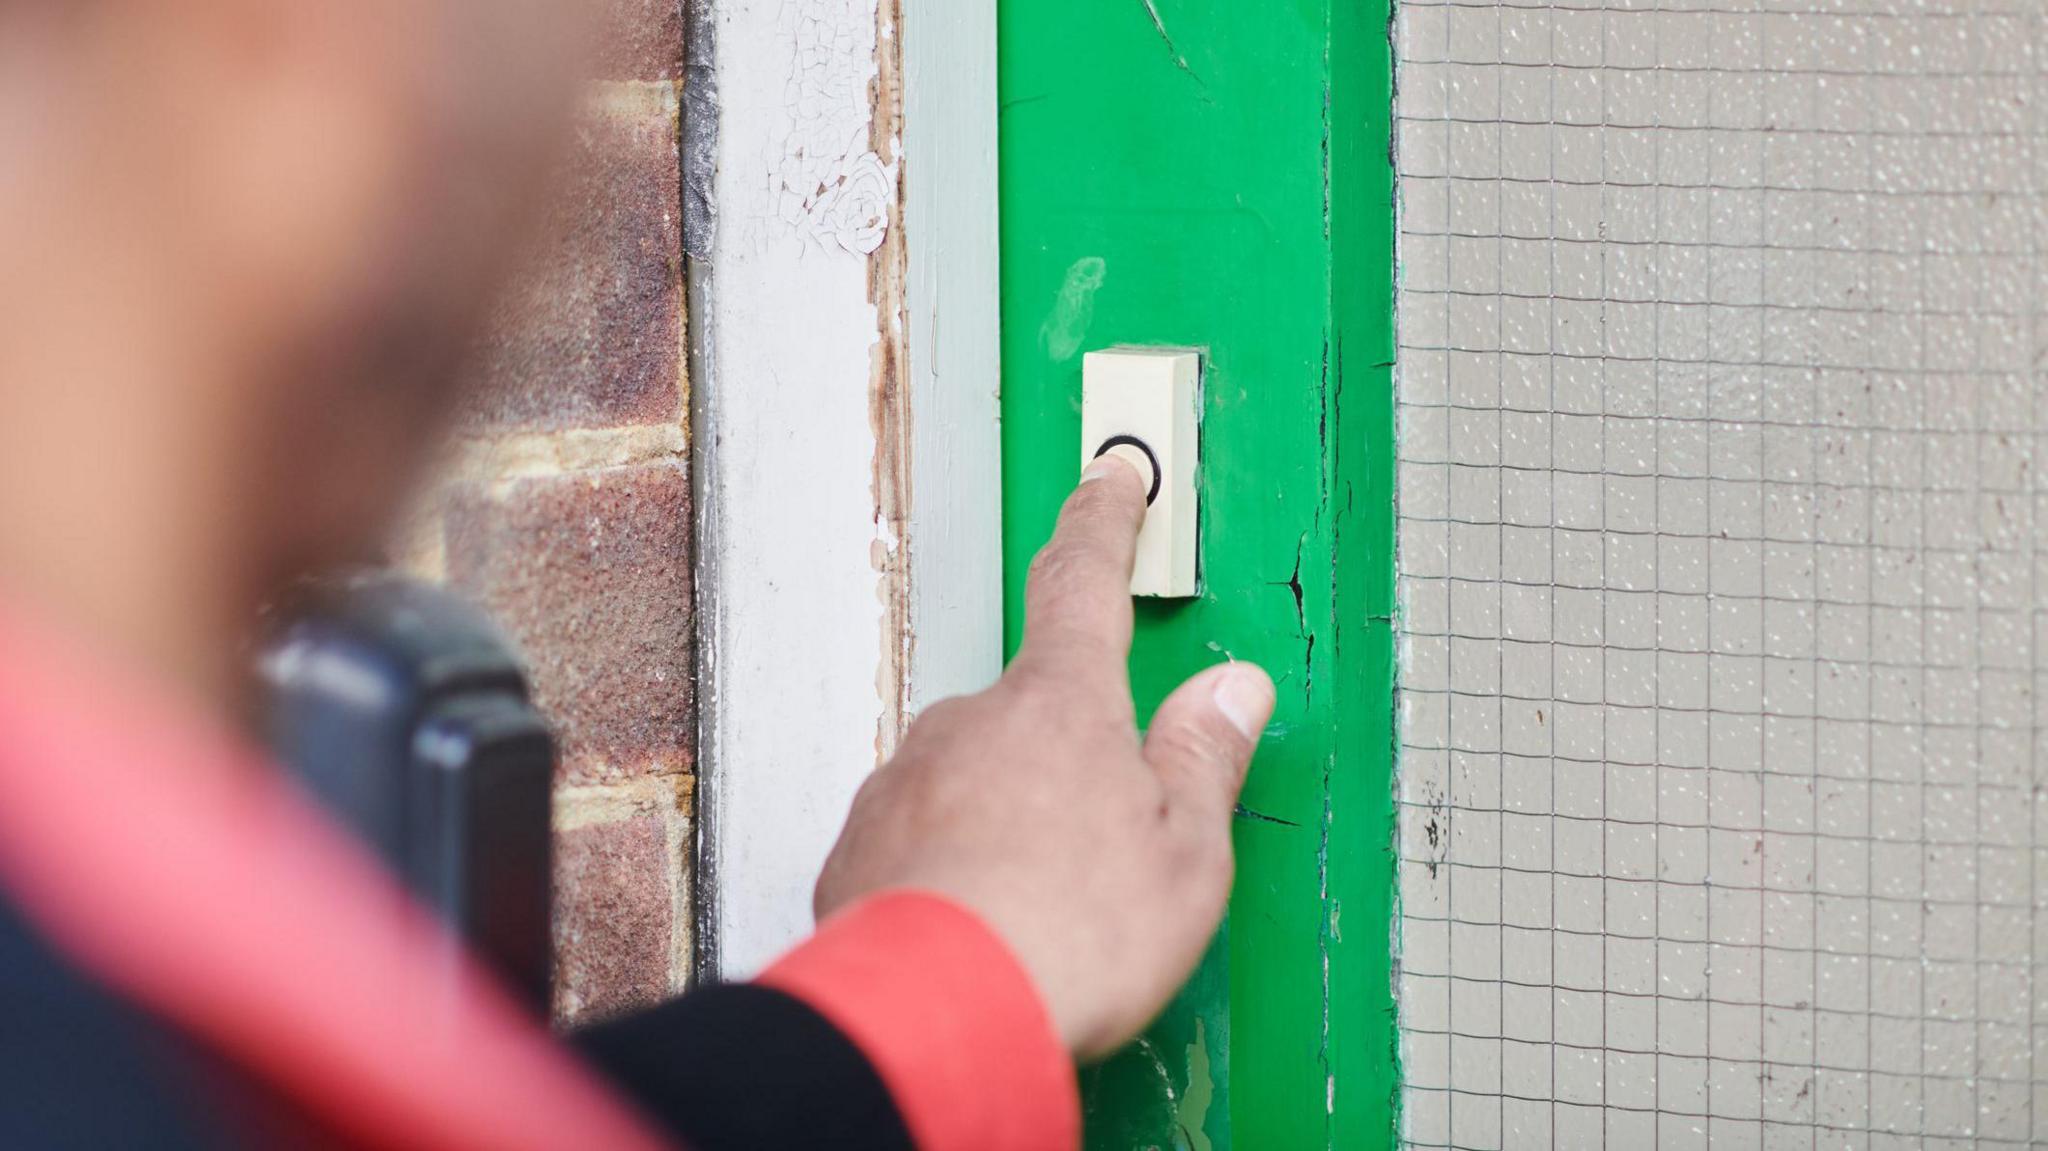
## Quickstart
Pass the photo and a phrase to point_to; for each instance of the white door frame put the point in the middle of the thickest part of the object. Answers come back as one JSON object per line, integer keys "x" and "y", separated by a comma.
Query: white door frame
{"x": 844, "y": 368}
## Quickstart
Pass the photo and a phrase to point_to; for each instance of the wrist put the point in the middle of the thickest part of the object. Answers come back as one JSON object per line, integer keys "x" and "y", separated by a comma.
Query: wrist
{"x": 951, "y": 1018}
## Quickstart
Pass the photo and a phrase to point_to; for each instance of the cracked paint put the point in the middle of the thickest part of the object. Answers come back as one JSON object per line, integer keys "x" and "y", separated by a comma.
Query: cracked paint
{"x": 1223, "y": 212}
{"x": 829, "y": 184}
{"x": 804, "y": 174}
{"x": 1172, "y": 49}
{"x": 1243, "y": 812}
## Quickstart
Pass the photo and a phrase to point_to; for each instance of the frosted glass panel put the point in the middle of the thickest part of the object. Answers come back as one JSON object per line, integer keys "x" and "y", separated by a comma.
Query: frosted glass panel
{"x": 1721, "y": 407}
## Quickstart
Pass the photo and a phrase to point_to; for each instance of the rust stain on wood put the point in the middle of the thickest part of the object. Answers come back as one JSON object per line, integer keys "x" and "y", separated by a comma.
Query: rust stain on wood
{"x": 889, "y": 402}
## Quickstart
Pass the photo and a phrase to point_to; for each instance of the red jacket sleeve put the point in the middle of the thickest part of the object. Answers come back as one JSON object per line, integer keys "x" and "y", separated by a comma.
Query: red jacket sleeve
{"x": 948, "y": 1017}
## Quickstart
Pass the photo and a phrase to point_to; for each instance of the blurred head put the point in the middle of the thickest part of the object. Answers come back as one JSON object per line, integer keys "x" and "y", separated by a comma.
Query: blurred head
{"x": 246, "y": 242}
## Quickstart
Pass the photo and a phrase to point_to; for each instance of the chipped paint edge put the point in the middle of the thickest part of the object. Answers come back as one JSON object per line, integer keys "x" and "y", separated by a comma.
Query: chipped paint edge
{"x": 891, "y": 413}
{"x": 790, "y": 202}
{"x": 869, "y": 583}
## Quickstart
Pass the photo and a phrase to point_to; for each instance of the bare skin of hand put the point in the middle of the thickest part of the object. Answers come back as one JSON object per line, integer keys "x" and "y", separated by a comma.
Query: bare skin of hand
{"x": 1101, "y": 857}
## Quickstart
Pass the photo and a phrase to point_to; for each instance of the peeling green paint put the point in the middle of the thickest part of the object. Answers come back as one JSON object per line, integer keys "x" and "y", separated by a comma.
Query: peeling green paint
{"x": 1192, "y": 1116}
{"x": 1073, "y": 310}
{"x": 1216, "y": 174}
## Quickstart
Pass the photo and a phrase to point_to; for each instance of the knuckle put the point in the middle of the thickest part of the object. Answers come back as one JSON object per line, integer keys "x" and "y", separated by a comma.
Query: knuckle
{"x": 1114, "y": 494}
{"x": 1025, "y": 676}
{"x": 1054, "y": 569}
{"x": 1194, "y": 743}
{"x": 1089, "y": 497}
{"x": 1034, "y": 696}
{"x": 1036, "y": 713}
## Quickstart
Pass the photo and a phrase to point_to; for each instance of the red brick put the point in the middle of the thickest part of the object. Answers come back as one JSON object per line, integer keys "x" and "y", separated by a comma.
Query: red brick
{"x": 591, "y": 575}
{"x": 642, "y": 40}
{"x": 613, "y": 918}
{"x": 591, "y": 334}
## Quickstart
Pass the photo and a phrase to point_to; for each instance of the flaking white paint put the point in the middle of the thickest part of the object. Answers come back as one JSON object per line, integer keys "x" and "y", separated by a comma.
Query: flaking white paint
{"x": 792, "y": 629}
{"x": 827, "y": 182}
{"x": 803, "y": 660}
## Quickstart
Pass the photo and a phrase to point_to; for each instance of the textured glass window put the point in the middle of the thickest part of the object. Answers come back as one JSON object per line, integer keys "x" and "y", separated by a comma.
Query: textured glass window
{"x": 1722, "y": 404}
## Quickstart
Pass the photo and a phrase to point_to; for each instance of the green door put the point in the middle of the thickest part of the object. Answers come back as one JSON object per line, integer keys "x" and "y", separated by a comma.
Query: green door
{"x": 1215, "y": 174}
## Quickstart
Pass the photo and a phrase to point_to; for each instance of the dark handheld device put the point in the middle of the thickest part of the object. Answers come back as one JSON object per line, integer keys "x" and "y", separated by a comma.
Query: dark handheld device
{"x": 404, "y": 710}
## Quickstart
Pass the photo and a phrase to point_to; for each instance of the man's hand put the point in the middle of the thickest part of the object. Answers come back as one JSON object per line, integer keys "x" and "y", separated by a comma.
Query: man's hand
{"x": 1104, "y": 861}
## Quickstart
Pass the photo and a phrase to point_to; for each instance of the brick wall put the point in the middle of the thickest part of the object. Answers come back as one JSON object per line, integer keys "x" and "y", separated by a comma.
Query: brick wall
{"x": 566, "y": 511}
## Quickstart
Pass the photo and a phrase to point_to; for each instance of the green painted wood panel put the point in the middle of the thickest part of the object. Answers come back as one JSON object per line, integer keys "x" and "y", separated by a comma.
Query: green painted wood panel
{"x": 1215, "y": 173}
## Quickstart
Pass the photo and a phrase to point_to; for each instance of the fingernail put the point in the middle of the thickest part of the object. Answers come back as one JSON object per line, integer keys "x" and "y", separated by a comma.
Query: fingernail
{"x": 1245, "y": 697}
{"x": 1102, "y": 465}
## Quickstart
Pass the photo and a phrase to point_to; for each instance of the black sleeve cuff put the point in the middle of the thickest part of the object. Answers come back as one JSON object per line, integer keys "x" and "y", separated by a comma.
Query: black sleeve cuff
{"x": 738, "y": 1067}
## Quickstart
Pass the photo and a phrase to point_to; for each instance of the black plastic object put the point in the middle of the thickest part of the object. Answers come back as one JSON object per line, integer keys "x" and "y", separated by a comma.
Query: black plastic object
{"x": 404, "y": 710}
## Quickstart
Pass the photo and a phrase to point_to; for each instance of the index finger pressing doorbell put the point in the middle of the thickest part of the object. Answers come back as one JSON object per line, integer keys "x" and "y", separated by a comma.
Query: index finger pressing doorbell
{"x": 1145, "y": 405}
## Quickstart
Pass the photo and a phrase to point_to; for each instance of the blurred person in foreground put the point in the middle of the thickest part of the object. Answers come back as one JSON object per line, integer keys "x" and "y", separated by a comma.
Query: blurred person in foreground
{"x": 244, "y": 242}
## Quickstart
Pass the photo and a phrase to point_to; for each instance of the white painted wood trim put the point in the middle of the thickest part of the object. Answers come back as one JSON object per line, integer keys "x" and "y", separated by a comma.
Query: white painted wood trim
{"x": 790, "y": 625}
{"x": 839, "y": 589}
{"x": 950, "y": 198}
